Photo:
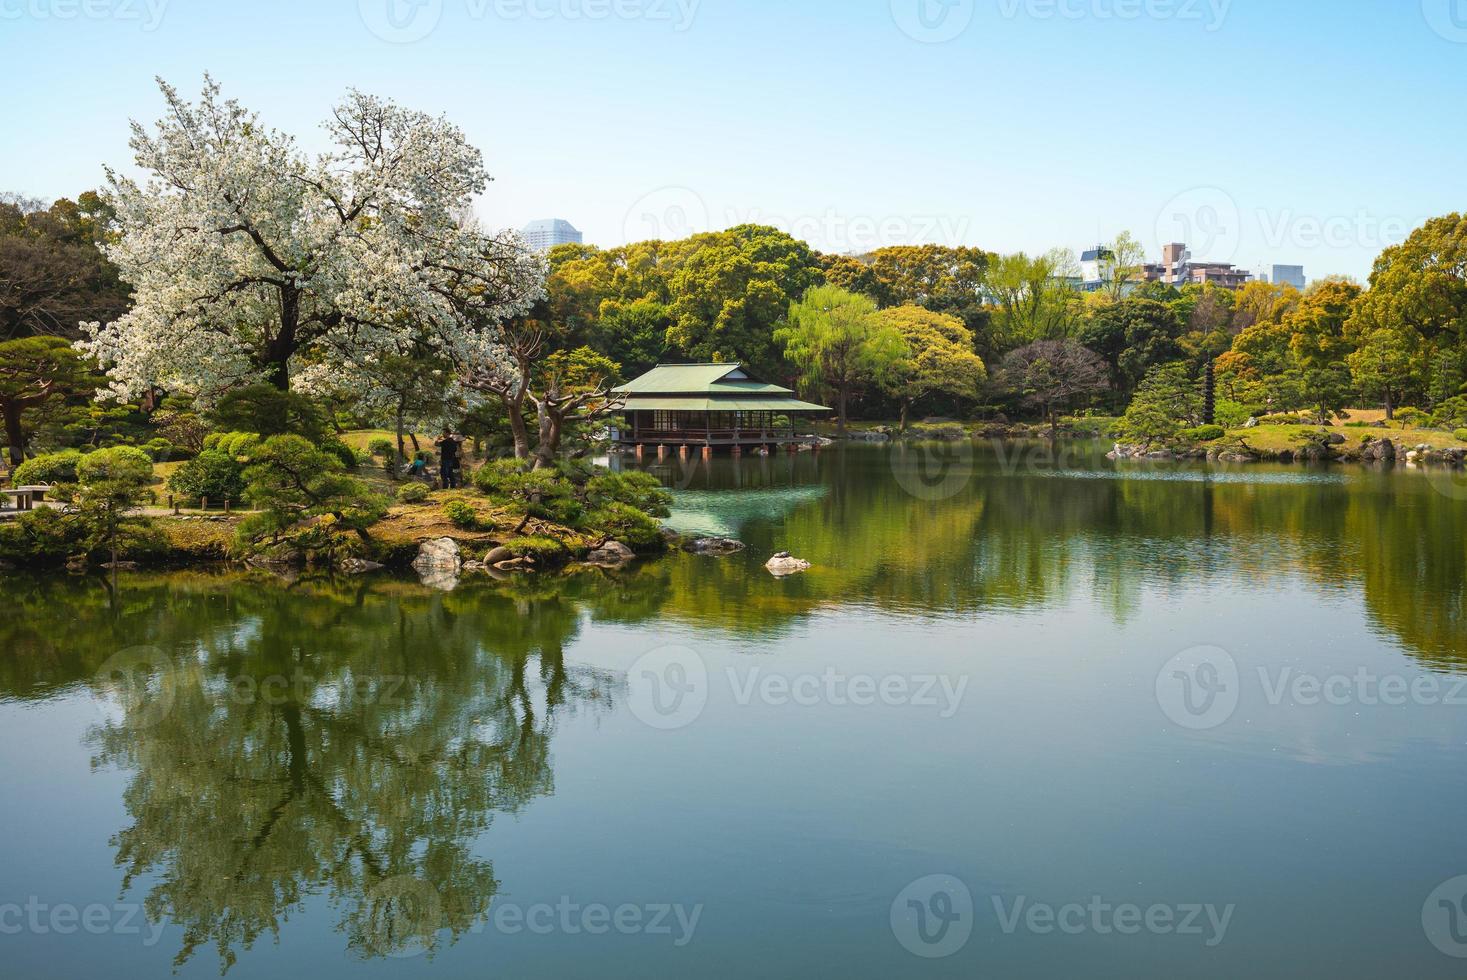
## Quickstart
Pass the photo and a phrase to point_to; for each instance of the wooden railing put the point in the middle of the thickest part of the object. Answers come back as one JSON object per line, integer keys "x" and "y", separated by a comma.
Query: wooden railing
{"x": 705, "y": 435}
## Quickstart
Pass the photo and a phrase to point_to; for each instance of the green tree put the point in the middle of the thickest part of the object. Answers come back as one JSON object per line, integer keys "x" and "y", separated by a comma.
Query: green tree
{"x": 732, "y": 289}
{"x": 1421, "y": 284}
{"x": 939, "y": 359}
{"x": 1166, "y": 402}
{"x": 839, "y": 344}
{"x": 33, "y": 372}
{"x": 1035, "y": 296}
{"x": 294, "y": 484}
{"x": 53, "y": 275}
{"x": 1133, "y": 335}
{"x": 111, "y": 483}
{"x": 1384, "y": 367}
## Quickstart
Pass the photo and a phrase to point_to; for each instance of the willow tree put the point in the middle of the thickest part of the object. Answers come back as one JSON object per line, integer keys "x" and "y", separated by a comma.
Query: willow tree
{"x": 249, "y": 259}
{"x": 839, "y": 343}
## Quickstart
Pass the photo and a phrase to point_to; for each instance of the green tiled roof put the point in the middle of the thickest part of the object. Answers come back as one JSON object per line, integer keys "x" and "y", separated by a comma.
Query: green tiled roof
{"x": 646, "y": 403}
{"x": 708, "y": 388}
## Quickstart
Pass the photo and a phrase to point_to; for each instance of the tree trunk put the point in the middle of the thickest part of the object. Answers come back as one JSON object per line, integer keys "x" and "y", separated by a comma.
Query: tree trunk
{"x": 840, "y": 401}
{"x": 14, "y": 434}
{"x": 549, "y": 446}
{"x": 514, "y": 406}
{"x": 278, "y": 352}
{"x": 906, "y": 407}
{"x": 1389, "y": 407}
{"x": 401, "y": 442}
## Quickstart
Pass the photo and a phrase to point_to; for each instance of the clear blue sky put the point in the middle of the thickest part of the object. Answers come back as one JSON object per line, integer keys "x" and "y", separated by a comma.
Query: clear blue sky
{"x": 1294, "y": 131}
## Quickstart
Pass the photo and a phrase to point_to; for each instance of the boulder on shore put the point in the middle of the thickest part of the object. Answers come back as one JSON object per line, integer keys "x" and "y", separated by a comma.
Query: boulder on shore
{"x": 439, "y": 553}
{"x": 784, "y": 564}
{"x": 498, "y": 554}
{"x": 438, "y": 564}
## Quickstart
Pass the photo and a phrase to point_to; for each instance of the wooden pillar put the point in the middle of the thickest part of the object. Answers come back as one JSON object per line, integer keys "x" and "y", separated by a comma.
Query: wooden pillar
{"x": 707, "y": 452}
{"x": 661, "y": 452}
{"x": 640, "y": 449}
{"x": 682, "y": 451}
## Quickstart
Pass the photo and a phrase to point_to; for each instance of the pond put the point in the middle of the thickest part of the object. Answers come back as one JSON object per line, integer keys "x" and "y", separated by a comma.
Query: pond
{"x": 1030, "y": 714}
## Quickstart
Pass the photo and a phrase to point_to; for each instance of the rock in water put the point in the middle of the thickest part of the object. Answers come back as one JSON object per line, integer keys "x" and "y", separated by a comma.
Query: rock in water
{"x": 784, "y": 564}
{"x": 714, "y": 546}
{"x": 357, "y": 566}
{"x": 613, "y": 554}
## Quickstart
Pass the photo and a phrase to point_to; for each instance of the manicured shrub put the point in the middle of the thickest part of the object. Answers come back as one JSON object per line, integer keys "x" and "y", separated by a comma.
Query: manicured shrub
{"x": 40, "y": 537}
{"x": 628, "y": 525}
{"x": 237, "y": 444}
{"x": 161, "y": 450}
{"x": 462, "y": 515}
{"x": 1204, "y": 433}
{"x": 633, "y": 488}
{"x": 1232, "y": 415}
{"x": 412, "y": 493}
{"x": 545, "y": 551}
{"x": 213, "y": 473}
{"x": 343, "y": 453}
{"x": 1286, "y": 418}
{"x": 48, "y": 468}
{"x": 1410, "y": 418}
{"x": 1451, "y": 413}
{"x": 382, "y": 448}
{"x": 1460, "y": 435}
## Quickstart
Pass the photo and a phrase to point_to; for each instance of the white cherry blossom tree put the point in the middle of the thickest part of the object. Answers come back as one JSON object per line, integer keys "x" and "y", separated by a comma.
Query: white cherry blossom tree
{"x": 250, "y": 260}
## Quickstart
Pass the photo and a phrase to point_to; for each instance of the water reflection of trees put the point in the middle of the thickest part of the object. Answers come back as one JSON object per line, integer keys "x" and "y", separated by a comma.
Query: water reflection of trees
{"x": 422, "y": 715}
{"x": 350, "y": 743}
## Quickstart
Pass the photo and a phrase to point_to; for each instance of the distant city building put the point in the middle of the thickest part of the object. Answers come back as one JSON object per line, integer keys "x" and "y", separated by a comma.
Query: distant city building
{"x": 1291, "y": 274}
{"x": 1178, "y": 269}
{"x": 1096, "y": 267}
{"x": 544, "y": 235}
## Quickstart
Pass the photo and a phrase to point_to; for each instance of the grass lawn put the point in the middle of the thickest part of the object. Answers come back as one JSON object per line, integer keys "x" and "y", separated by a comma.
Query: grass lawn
{"x": 1277, "y": 438}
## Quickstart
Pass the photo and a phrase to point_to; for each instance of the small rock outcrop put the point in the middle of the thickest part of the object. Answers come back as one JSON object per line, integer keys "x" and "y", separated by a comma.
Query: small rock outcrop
{"x": 716, "y": 547}
{"x": 497, "y": 555}
{"x": 784, "y": 564}
{"x": 1379, "y": 450}
{"x": 612, "y": 554}
{"x": 356, "y": 566}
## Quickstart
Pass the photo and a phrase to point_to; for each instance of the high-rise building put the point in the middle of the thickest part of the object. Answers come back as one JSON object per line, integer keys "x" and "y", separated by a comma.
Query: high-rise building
{"x": 1291, "y": 274}
{"x": 544, "y": 235}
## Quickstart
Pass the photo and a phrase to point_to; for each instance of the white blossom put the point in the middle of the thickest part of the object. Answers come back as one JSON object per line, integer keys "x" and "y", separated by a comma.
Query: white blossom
{"x": 250, "y": 260}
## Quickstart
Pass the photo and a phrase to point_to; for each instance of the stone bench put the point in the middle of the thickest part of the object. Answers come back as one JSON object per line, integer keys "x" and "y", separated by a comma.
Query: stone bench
{"x": 24, "y": 497}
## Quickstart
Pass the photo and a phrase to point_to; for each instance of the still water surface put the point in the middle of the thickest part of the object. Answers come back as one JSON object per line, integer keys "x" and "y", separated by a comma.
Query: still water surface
{"x": 1026, "y": 717}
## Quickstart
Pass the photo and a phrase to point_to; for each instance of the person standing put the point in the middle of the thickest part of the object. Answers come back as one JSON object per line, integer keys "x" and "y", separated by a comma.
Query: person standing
{"x": 449, "y": 446}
